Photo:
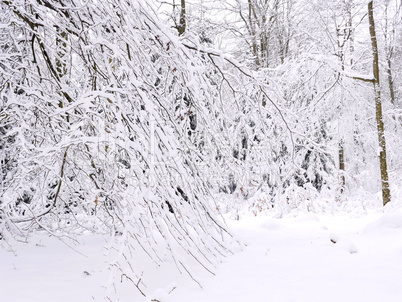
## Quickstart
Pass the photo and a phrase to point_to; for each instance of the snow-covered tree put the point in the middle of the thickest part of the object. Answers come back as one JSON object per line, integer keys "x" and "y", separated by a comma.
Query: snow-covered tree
{"x": 97, "y": 118}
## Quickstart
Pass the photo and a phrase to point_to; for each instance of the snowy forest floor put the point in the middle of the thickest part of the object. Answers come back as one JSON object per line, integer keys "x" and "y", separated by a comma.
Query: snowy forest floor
{"x": 303, "y": 257}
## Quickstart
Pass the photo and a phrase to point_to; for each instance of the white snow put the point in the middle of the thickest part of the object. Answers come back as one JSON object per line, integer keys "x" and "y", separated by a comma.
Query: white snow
{"x": 306, "y": 257}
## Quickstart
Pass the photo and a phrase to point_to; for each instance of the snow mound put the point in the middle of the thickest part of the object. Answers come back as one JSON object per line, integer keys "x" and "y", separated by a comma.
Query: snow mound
{"x": 334, "y": 238}
{"x": 307, "y": 218}
{"x": 387, "y": 221}
{"x": 272, "y": 225}
{"x": 344, "y": 243}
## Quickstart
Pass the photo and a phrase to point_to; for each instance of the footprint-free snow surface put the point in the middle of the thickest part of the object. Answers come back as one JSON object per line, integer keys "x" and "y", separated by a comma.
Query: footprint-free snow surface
{"x": 305, "y": 257}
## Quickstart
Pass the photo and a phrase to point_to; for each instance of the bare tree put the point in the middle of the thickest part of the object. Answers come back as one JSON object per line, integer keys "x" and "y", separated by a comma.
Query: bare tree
{"x": 269, "y": 29}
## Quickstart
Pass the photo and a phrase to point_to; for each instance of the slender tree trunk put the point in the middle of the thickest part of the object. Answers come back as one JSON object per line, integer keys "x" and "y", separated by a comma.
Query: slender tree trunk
{"x": 342, "y": 180}
{"x": 388, "y": 53}
{"x": 182, "y": 22}
{"x": 386, "y": 194}
{"x": 390, "y": 80}
{"x": 341, "y": 147}
{"x": 344, "y": 36}
{"x": 61, "y": 58}
{"x": 253, "y": 32}
{"x": 341, "y": 150}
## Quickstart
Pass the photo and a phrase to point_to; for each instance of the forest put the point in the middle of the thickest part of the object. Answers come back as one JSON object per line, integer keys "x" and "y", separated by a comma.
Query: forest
{"x": 153, "y": 122}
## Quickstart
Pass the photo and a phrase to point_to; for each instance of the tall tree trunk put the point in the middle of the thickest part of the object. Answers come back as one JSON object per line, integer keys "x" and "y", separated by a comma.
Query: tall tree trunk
{"x": 182, "y": 22}
{"x": 342, "y": 180}
{"x": 388, "y": 54}
{"x": 386, "y": 194}
{"x": 390, "y": 80}
{"x": 61, "y": 58}
{"x": 344, "y": 36}
{"x": 253, "y": 32}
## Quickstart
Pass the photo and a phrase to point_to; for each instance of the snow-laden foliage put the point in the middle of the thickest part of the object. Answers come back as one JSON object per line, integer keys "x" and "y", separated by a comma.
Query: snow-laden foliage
{"x": 111, "y": 123}
{"x": 103, "y": 118}
{"x": 115, "y": 125}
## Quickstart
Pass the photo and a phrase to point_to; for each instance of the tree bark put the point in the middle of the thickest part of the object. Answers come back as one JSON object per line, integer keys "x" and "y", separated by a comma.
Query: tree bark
{"x": 251, "y": 20}
{"x": 390, "y": 80}
{"x": 182, "y": 22}
{"x": 342, "y": 180}
{"x": 344, "y": 36}
{"x": 388, "y": 54}
{"x": 386, "y": 194}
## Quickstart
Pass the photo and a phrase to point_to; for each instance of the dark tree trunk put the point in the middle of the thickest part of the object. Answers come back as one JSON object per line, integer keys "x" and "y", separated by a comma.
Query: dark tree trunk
{"x": 386, "y": 194}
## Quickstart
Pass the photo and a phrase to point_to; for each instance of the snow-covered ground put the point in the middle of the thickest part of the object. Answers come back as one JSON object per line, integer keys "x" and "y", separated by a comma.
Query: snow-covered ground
{"x": 304, "y": 257}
